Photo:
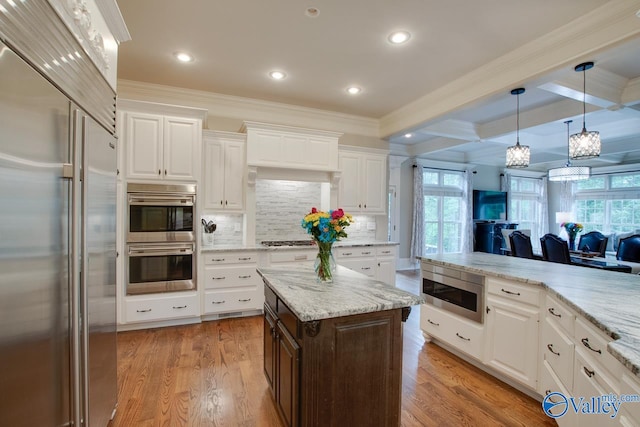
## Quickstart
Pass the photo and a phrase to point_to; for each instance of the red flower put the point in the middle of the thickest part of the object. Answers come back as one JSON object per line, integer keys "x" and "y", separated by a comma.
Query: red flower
{"x": 338, "y": 213}
{"x": 314, "y": 210}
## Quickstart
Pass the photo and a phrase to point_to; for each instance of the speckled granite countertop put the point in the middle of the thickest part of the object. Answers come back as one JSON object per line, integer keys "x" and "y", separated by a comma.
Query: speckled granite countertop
{"x": 350, "y": 293}
{"x": 609, "y": 300}
{"x": 342, "y": 244}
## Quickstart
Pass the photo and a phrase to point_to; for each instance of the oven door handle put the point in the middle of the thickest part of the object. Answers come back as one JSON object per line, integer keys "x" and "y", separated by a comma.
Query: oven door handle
{"x": 160, "y": 251}
{"x": 161, "y": 201}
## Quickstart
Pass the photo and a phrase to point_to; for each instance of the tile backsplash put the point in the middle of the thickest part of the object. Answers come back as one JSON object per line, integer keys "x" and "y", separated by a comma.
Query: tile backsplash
{"x": 228, "y": 230}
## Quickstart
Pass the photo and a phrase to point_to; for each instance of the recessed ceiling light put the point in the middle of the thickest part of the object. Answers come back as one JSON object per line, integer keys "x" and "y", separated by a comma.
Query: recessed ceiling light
{"x": 277, "y": 75}
{"x": 399, "y": 37}
{"x": 638, "y": 13}
{"x": 312, "y": 12}
{"x": 354, "y": 90}
{"x": 183, "y": 57}
{"x": 408, "y": 135}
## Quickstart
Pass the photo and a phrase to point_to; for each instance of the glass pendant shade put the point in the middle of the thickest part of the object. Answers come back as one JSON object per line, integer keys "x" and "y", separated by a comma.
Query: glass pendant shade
{"x": 569, "y": 173}
{"x": 518, "y": 156}
{"x": 584, "y": 145}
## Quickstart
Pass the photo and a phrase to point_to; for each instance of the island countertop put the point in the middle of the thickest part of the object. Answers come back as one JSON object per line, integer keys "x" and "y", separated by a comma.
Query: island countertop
{"x": 609, "y": 300}
{"x": 350, "y": 293}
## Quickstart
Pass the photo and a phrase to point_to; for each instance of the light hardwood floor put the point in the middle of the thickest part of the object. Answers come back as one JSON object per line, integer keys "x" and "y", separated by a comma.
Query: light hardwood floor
{"x": 210, "y": 374}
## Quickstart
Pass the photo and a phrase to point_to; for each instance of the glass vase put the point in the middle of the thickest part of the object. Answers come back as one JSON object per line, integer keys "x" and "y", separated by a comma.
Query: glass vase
{"x": 325, "y": 264}
{"x": 572, "y": 241}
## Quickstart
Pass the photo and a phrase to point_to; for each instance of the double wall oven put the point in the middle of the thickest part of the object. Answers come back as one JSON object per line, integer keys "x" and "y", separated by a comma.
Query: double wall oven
{"x": 160, "y": 238}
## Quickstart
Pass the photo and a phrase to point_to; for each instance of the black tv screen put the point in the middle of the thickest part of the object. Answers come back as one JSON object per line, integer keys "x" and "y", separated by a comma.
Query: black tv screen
{"x": 489, "y": 205}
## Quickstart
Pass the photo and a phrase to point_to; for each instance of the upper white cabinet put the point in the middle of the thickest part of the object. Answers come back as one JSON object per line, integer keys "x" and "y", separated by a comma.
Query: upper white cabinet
{"x": 161, "y": 142}
{"x": 363, "y": 184}
{"x": 287, "y": 147}
{"x": 224, "y": 168}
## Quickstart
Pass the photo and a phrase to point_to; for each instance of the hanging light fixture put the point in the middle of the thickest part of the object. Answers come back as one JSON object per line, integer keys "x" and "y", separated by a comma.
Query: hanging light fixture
{"x": 568, "y": 172}
{"x": 584, "y": 145}
{"x": 518, "y": 155}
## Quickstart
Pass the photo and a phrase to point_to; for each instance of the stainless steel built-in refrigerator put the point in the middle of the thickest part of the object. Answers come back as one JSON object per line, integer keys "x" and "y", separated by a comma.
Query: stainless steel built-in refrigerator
{"x": 57, "y": 256}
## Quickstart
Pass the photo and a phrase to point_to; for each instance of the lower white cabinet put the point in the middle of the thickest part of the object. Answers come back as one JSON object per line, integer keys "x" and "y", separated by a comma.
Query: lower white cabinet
{"x": 378, "y": 262}
{"x": 231, "y": 300}
{"x": 549, "y": 383}
{"x": 466, "y": 336}
{"x": 161, "y": 307}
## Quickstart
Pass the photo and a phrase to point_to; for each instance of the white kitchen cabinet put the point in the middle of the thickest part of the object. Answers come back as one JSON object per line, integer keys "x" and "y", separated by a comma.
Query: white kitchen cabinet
{"x": 512, "y": 330}
{"x": 363, "y": 184}
{"x": 160, "y": 307}
{"x": 386, "y": 264}
{"x": 224, "y": 171}
{"x": 378, "y": 262}
{"x": 462, "y": 334}
{"x": 161, "y": 142}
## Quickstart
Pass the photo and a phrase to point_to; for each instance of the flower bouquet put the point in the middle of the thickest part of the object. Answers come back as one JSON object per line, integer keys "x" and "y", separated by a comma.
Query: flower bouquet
{"x": 326, "y": 228}
{"x": 572, "y": 228}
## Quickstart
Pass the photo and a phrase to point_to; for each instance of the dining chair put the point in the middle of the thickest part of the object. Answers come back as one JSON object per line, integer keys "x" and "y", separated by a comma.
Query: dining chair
{"x": 555, "y": 249}
{"x": 520, "y": 245}
{"x": 629, "y": 249}
{"x": 593, "y": 241}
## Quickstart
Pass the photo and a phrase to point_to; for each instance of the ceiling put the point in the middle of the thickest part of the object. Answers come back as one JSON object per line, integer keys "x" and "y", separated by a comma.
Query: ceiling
{"x": 448, "y": 85}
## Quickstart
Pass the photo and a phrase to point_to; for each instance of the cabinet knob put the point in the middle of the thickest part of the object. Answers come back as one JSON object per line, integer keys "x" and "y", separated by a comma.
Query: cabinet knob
{"x": 220, "y": 202}
{"x": 226, "y": 202}
{"x": 159, "y": 172}
{"x": 360, "y": 205}
{"x": 165, "y": 171}
{"x": 365, "y": 206}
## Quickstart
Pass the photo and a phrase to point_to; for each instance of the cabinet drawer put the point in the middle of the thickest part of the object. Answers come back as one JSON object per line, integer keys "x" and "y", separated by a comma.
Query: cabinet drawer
{"x": 232, "y": 300}
{"x": 161, "y": 307}
{"x": 364, "y": 266}
{"x": 293, "y": 256}
{"x": 521, "y": 293}
{"x": 218, "y": 258}
{"x": 457, "y": 332}
{"x": 382, "y": 251}
{"x": 550, "y": 383}
{"x": 558, "y": 352}
{"x": 594, "y": 343}
{"x": 355, "y": 252}
{"x": 630, "y": 385}
{"x": 560, "y": 314}
{"x": 229, "y": 277}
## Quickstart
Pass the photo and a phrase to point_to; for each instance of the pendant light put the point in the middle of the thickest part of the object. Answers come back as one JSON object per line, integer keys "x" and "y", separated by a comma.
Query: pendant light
{"x": 584, "y": 145}
{"x": 568, "y": 172}
{"x": 518, "y": 155}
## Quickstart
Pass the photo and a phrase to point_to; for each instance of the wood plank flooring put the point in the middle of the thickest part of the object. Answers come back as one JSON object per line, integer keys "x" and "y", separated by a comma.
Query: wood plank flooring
{"x": 210, "y": 374}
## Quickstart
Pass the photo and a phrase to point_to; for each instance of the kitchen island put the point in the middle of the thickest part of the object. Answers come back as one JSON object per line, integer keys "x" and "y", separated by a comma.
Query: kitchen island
{"x": 333, "y": 352}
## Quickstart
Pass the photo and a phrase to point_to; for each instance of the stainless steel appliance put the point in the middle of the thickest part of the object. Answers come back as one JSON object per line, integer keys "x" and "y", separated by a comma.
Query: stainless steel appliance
{"x": 57, "y": 233}
{"x": 307, "y": 242}
{"x": 453, "y": 290}
{"x": 161, "y": 267}
{"x": 160, "y": 213}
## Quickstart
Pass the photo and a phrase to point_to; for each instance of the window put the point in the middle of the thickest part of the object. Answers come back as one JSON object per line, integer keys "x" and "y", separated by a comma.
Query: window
{"x": 444, "y": 211}
{"x": 525, "y": 206}
{"x": 609, "y": 203}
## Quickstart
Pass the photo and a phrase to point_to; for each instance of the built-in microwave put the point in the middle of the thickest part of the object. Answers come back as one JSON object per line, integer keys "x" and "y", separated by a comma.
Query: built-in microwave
{"x": 160, "y": 213}
{"x": 455, "y": 291}
{"x": 160, "y": 267}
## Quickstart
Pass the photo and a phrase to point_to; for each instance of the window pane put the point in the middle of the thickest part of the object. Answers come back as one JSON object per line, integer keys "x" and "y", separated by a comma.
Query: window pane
{"x": 625, "y": 215}
{"x": 625, "y": 181}
{"x": 430, "y": 178}
{"x": 595, "y": 183}
{"x": 451, "y": 208}
{"x": 591, "y": 214}
{"x": 451, "y": 179}
{"x": 430, "y": 208}
{"x": 527, "y": 185}
{"x": 451, "y": 237}
{"x": 430, "y": 237}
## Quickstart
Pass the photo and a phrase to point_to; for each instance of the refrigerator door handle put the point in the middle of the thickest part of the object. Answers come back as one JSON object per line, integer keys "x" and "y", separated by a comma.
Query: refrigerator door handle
{"x": 84, "y": 291}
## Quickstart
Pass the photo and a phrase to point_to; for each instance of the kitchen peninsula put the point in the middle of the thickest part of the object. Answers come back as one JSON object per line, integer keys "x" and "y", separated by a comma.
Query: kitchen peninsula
{"x": 333, "y": 351}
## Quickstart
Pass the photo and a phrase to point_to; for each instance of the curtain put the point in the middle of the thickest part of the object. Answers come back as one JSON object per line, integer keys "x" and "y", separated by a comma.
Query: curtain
{"x": 543, "y": 224}
{"x": 467, "y": 227}
{"x": 417, "y": 235}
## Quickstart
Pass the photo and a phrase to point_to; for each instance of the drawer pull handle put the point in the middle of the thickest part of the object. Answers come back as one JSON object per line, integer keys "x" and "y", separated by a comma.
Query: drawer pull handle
{"x": 588, "y": 372}
{"x": 510, "y": 293}
{"x": 365, "y": 268}
{"x": 244, "y": 259}
{"x": 585, "y": 342}
{"x": 433, "y": 323}
{"x": 179, "y": 307}
{"x": 366, "y": 253}
{"x": 143, "y": 311}
{"x": 300, "y": 257}
{"x": 219, "y": 278}
{"x": 552, "y": 311}
{"x": 244, "y": 277}
{"x": 547, "y": 392}
{"x": 386, "y": 252}
{"x": 550, "y": 347}
{"x": 347, "y": 253}
{"x": 244, "y": 300}
{"x": 218, "y": 302}
{"x": 461, "y": 337}
{"x": 217, "y": 259}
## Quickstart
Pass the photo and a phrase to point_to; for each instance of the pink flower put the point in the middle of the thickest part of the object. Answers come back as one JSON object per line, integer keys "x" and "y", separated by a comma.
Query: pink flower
{"x": 338, "y": 213}
{"x": 314, "y": 210}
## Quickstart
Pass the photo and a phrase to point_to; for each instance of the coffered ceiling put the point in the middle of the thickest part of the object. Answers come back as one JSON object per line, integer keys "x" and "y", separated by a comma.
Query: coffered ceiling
{"x": 448, "y": 85}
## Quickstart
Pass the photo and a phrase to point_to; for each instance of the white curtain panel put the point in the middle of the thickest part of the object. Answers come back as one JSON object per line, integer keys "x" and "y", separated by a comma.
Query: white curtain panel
{"x": 543, "y": 224}
{"x": 417, "y": 235}
{"x": 467, "y": 228}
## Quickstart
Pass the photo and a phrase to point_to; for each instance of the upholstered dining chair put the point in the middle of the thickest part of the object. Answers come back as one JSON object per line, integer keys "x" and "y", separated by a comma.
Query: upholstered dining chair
{"x": 593, "y": 241}
{"x": 555, "y": 249}
{"x": 520, "y": 245}
{"x": 629, "y": 249}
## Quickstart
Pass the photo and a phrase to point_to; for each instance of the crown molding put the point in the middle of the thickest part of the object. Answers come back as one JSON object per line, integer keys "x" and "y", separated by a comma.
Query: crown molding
{"x": 247, "y": 109}
{"x": 613, "y": 23}
{"x": 157, "y": 108}
{"x": 114, "y": 20}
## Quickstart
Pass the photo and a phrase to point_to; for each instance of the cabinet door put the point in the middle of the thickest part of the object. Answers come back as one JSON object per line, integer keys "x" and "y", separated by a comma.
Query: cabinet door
{"x": 288, "y": 377}
{"x": 350, "y": 186}
{"x": 143, "y": 137}
{"x": 181, "y": 148}
{"x": 234, "y": 176}
{"x": 512, "y": 340}
{"x": 270, "y": 347}
{"x": 374, "y": 184}
{"x": 386, "y": 271}
{"x": 213, "y": 168}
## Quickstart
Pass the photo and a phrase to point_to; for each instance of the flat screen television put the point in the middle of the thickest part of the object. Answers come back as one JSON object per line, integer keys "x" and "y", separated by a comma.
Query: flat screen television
{"x": 489, "y": 205}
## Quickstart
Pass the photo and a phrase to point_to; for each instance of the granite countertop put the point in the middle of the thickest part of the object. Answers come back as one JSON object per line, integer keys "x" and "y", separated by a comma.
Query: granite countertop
{"x": 258, "y": 247}
{"x": 350, "y": 293}
{"x": 608, "y": 299}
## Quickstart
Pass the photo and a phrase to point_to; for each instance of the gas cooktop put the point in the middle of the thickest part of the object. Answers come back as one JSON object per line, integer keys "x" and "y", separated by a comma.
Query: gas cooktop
{"x": 287, "y": 242}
